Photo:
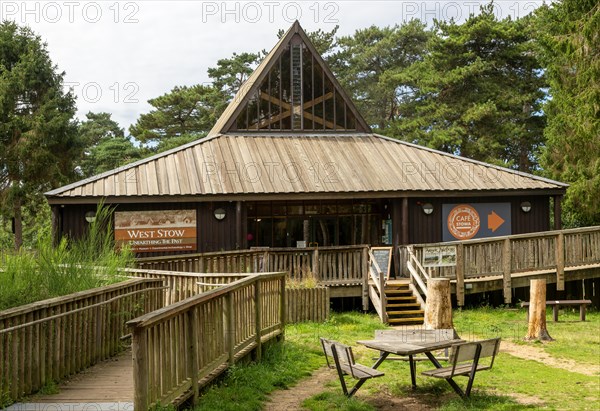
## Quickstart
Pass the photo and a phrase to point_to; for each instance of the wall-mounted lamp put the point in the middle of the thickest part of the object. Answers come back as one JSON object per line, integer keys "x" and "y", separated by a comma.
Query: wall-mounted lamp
{"x": 219, "y": 214}
{"x": 526, "y": 206}
{"x": 427, "y": 208}
{"x": 90, "y": 216}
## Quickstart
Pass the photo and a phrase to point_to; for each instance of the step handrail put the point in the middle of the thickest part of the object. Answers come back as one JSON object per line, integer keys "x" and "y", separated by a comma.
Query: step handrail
{"x": 379, "y": 280}
{"x": 418, "y": 275}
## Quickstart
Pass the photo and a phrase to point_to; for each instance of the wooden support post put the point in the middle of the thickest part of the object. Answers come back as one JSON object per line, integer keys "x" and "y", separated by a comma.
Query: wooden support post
{"x": 557, "y": 212}
{"x": 404, "y": 221}
{"x": 507, "y": 268}
{"x": 460, "y": 274}
{"x": 438, "y": 307}
{"x": 258, "y": 320}
{"x": 192, "y": 346}
{"x": 560, "y": 262}
{"x": 239, "y": 240}
{"x": 140, "y": 369}
{"x": 537, "y": 312}
{"x": 315, "y": 263}
{"x": 396, "y": 239}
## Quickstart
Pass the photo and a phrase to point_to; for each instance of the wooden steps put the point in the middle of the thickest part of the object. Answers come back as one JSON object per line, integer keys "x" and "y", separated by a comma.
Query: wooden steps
{"x": 402, "y": 307}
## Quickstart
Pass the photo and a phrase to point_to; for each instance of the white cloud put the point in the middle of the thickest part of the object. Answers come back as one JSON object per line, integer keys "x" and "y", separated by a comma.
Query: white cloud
{"x": 122, "y": 53}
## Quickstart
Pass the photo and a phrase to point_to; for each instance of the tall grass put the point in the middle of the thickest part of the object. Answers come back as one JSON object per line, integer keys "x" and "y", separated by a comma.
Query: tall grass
{"x": 65, "y": 268}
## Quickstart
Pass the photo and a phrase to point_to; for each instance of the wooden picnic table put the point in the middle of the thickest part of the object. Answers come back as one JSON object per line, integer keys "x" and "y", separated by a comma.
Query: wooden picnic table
{"x": 399, "y": 345}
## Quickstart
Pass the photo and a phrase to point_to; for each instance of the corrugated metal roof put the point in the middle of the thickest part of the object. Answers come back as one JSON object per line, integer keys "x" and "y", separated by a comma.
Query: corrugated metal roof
{"x": 309, "y": 164}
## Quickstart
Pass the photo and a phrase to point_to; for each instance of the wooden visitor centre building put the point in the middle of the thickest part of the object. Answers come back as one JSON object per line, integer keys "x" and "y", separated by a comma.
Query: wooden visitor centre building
{"x": 292, "y": 163}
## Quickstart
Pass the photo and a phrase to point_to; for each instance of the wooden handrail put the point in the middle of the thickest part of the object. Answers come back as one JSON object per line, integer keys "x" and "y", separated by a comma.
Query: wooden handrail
{"x": 207, "y": 333}
{"x": 551, "y": 233}
{"x": 501, "y": 258}
{"x": 417, "y": 271}
{"x": 174, "y": 309}
{"x": 51, "y": 339}
{"x": 65, "y": 299}
{"x": 379, "y": 301}
{"x": 338, "y": 265}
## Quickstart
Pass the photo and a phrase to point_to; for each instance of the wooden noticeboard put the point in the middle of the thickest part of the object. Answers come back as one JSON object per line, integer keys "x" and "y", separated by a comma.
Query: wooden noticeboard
{"x": 383, "y": 256}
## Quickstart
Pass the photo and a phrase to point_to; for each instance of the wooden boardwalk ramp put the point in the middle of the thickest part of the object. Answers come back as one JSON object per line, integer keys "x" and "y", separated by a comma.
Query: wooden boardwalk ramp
{"x": 107, "y": 386}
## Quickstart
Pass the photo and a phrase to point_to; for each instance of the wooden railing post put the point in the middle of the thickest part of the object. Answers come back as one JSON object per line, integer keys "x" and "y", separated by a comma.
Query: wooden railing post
{"x": 315, "y": 263}
{"x": 382, "y": 299}
{"x": 229, "y": 328}
{"x": 560, "y": 262}
{"x": 266, "y": 262}
{"x": 140, "y": 369}
{"x": 282, "y": 307}
{"x": 192, "y": 347}
{"x": 201, "y": 264}
{"x": 258, "y": 320}
{"x": 460, "y": 274}
{"x": 365, "y": 278}
{"x": 507, "y": 268}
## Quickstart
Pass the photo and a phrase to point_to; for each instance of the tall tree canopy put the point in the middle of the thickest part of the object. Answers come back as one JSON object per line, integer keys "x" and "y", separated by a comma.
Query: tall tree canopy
{"x": 478, "y": 92}
{"x": 571, "y": 41}
{"x": 231, "y": 73}
{"x": 106, "y": 145}
{"x": 38, "y": 137}
{"x": 366, "y": 61}
{"x": 188, "y": 112}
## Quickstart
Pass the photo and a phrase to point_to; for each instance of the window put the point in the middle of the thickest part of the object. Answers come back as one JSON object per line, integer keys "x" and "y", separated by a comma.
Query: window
{"x": 298, "y": 94}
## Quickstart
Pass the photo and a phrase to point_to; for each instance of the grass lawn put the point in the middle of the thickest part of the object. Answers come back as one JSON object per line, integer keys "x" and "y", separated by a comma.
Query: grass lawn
{"x": 574, "y": 340}
{"x": 513, "y": 384}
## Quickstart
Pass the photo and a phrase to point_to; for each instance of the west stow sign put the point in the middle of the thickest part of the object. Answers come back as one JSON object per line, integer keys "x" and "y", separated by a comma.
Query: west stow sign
{"x": 154, "y": 231}
{"x": 476, "y": 220}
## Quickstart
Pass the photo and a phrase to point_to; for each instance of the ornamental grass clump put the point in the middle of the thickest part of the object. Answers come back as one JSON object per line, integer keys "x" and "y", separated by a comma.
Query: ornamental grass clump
{"x": 307, "y": 279}
{"x": 68, "y": 267}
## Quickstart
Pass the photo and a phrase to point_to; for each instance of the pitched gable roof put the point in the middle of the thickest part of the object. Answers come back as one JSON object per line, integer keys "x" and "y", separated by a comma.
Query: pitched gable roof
{"x": 322, "y": 162}
{"x": 247, "y": 165}
{"x": 253, "y": 90}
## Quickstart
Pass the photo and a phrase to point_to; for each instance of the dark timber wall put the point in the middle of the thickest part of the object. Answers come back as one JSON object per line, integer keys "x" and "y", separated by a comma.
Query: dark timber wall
{"x": 428, "y": 228}
{"x": 216, "y": 235}
{"x": 212, "y": 235}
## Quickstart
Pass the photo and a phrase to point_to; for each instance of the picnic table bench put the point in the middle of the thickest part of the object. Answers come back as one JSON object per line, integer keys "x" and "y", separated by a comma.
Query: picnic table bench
{"x": 343, "y": 361}
{"x": 465, "y": 361}
{"x": 557, "y": 303}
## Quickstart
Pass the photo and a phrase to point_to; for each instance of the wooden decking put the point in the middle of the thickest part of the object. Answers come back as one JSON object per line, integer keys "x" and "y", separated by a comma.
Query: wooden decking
{"x": 105, "y": 386}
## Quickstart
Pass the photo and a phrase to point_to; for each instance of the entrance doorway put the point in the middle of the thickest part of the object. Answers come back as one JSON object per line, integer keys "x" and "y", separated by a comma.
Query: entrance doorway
{"x": 324, "y": 231}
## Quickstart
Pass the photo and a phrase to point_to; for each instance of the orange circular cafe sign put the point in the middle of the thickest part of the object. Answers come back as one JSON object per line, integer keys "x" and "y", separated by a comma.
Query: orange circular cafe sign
{"x": 463, "y": 222}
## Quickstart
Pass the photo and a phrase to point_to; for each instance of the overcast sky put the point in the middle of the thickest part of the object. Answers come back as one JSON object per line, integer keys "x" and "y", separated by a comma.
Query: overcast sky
{"x": 119, "y": 54}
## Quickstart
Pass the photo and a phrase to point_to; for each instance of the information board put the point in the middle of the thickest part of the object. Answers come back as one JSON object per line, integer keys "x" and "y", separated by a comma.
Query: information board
{"x": 444, "y": 256}
{"x": 383, "y": 257}
{"x": 156, "y": 231}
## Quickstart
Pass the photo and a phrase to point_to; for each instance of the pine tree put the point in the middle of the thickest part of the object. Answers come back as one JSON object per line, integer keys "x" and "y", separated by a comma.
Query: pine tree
{"x": 38, "y": 137}
{"x": 571, "y": 41}
{"x": 478, "y": 92}
{"x": 107, "y": 147}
